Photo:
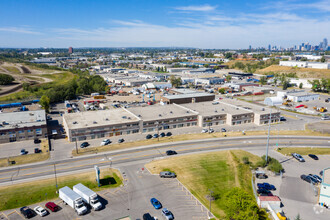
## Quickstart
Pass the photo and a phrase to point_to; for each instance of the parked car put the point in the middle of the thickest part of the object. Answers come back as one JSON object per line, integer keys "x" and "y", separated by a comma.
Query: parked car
{"x": 149, "y": 136}
{"x": 84, "y": 144}
{"x": 313, "y": 156}
{"x": 168, "y": 134}
{"x": 105, "y": 142}
{"x": 121, "y": 140}
{"x": 264, "y": 191}
{"x": 321, "y": 173}
{"x": 266, "y": 186}
{"x": 223, "y": 130}
{"x": 308, "y": 179}
{"x": 171, "y": 152}
{"x": 282, "y": 118}
{"x": 167, "y": 174}
{"x": 316, "y": 178}
{"x": 147, "y": 216}
{"x": 26, "y": 212}
{"x": 40, "y": 211}
{"x": 37, "y": 141}
{"x": 261, "y": 175}
{"x": 298, "y": 157}
{"x": 23, "y": 152}
{"x": 281, "y": 215}
{"x": 155, "y": 203}
{"x": 37, "y": 150}
{"x": 211, "y": 130}
{"x": 155, "y": 136}
{"x": 204, "y": 131}
{"x": 325, "y": 118}
{"x": 167, "y": 214}
{"x": 52, "y": 206}
{"x": 162, "y": 134}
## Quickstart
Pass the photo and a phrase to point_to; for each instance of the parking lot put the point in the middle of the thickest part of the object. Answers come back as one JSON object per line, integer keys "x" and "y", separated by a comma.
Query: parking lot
{"x": 133, "y": 199}
{"x": 298, "y": 196}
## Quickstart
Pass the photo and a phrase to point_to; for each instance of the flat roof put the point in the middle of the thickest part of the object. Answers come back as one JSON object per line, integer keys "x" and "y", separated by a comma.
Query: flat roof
{"x": 326, "y": 176}
{"x": 98, "y": 118}
{"x": 161, "y": 112}
{"x": 184, "y": 91}
{"x": 300, "y": 93}
{"x": 188, "y": 95}
{"x": 249, "y": 106}
{"x": 11, "y": 120}
{"x": 209, "y": 109}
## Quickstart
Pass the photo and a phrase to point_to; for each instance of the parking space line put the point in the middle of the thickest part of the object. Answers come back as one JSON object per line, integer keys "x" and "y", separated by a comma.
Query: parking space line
{"x": 2, "y": 213}
{"x": 19, "y": 214}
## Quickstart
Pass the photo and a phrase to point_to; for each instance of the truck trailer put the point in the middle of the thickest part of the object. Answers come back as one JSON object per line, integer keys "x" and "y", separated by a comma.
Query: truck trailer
{"x": 88, "y": 196}
{"x": 72, "y": 199}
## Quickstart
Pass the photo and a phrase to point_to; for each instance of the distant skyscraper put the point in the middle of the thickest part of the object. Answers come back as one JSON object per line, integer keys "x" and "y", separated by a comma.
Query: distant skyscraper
{"x": 70, "y": 50}
{"x": 250, "y": 47}
{"x": 325, "y": 44}
{"x": 269, "y": 47}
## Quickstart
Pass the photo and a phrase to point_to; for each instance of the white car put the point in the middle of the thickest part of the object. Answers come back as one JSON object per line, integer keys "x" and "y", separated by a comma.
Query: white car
{"x": 40, "y": 211}
{"x": 105, "y": 142}
{"x": 204, "y": 131}
{"x": 211, "y": 130}
{"x": 325, "y": 118}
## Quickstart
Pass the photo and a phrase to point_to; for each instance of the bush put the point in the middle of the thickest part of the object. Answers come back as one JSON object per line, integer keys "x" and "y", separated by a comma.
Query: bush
{"x": 245, "y": 160}
{"x": 273, "y": 164}
{"x": 6, "y": 79}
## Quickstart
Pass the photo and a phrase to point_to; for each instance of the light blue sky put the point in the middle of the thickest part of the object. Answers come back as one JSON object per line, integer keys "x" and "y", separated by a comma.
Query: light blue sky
{"x": 155, "y": 23}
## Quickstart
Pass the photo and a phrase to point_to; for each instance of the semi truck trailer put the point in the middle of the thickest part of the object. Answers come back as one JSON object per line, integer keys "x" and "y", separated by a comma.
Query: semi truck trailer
{"x": 72, "y": 199}
{"x": 88, "y": 196}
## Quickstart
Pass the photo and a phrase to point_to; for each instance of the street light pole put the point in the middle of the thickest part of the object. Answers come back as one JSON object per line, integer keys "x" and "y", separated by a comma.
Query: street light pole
{"x": 210, "y": 200}
{"x": 76, "y": 146}
{"x": 55, "y": 177}
{"x": 157, "y": 125}
{"x": 270, "y": 118}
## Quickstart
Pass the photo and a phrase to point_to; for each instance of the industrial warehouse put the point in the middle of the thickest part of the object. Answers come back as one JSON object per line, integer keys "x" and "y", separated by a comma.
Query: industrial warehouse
{"x": 106, "y": 123}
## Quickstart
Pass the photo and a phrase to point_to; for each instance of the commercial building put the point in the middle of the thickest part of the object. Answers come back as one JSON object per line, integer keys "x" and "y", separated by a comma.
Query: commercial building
{"x": 324, "y": 198}
{"x": 19, "y": 126}
{"x": 209, "y": 81}
{"x": 298, "y": 95}
{"x": 187, "y": 98}
{"x": 305, "y": 64}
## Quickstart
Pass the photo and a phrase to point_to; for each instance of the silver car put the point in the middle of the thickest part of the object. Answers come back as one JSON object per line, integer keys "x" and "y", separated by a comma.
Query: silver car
{"x": 167, "y": 214}
{"x": 298, "y": 157}
{"x": 167, "y": 174}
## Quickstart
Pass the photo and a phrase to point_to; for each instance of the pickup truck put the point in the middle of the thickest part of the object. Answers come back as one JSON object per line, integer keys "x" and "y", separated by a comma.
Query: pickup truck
{"x": 167, "y": 174}
{"x": 266, "y": 186}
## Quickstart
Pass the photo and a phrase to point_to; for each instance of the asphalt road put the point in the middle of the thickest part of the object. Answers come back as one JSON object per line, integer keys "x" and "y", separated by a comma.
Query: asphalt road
{"x": 147, "y": 153}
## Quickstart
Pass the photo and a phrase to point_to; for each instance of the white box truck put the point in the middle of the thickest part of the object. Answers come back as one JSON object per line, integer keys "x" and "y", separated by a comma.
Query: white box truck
{"x": 72, "y": 199}
{"x": 88, "y": 195}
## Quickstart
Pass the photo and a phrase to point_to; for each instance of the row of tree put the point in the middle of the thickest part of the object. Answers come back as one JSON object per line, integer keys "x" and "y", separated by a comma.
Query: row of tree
{"x": 321, "y": 85}
{"x": 6, "y": 79}
{"x": 252, "y": 67}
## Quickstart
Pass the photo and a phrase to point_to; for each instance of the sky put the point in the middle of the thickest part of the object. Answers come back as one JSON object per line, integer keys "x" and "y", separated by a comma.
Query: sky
{"x": 213, "y": 24}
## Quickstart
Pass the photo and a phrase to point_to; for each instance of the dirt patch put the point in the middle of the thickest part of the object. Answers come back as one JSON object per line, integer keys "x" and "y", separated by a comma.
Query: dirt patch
{"x": 322, "y": 127}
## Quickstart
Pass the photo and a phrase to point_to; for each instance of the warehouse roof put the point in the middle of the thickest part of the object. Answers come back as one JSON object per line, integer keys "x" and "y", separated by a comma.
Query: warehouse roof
{"x": 188, "y": 95}
{"x": 22, "y": 119}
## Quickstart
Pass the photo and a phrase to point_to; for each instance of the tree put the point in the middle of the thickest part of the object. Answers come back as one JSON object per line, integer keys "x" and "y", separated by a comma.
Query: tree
{"x": 175, "y": 81}
{"x": 228, "y": 78}
{"x": 6, "y": 79}
{"x": 323, "y": 59}
{"x": 44, "y": 102}
{"x": 263, "y": 80}
{"x": 222, "y": 90}
{"x": 300, "y": 85}
{"x": 285, "y": 85}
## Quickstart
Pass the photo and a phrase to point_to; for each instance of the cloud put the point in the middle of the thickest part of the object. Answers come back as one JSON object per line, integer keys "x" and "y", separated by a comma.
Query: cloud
{"x": 323, "y": 5}
{"x": 200, "y": 8}
{"x": 21, "y": 30}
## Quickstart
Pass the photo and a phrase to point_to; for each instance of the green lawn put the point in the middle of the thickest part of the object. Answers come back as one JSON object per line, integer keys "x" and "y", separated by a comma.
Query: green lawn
{"x": 304, "y": 150}
{"x": 219, "y": 171}
{"x": 19, "y": 195}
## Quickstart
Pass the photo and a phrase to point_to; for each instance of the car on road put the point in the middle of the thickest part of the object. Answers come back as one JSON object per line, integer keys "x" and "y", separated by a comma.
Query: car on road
{"x": 167, "y": 174}
{"x": 23, "y": 152}
{"x": 37, "y": 141}
{"x": 40, "y": 211}
{"x": 149, "y": 136}
{"x": 204, "y": 131}
{"x": 168, "y": 134}
{"x": 52, "y": 206}
{"x": 223, "y": 130}
{"x": 171, "y": 152}
{"x": 167, "y": 214}
{"x": 264, "y": 192}
{"x": 162, "y": 134}
{"x": 84, "y": 144}
{"x": 313, "y": 156}
{"x": 105, "y": 142}
{"x": 308, "y": 179}
{"x": 325, "y": 118}
{"x": 298, "y": 157}
{"x": 147, "y": 216}
{"x": 266, "y": 186}
{"x": 155, "y": 136}
{"x": 155, "y": 203}
{"x": 121, "y": 140}
{"x": 26, "y": 212}
{"x": 315, "y": 177}
{"x": 37, "y": 150}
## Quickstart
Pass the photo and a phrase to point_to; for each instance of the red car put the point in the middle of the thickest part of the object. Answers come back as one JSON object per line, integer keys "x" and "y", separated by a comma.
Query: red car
{"x": 299, "y": 106}
{"x": 52, "y": 206}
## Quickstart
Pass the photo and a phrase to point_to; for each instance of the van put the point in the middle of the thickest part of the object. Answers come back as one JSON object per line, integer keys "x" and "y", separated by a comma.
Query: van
{"x": 147, "y": 216}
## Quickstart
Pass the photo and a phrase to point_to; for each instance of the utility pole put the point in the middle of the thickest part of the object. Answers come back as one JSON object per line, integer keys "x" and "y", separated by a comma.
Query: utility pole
{"x": 76, "y": 146}
{"x": 55, "y": 177}
{"x": 269, "y": 121}
{"x": 157, "y": 126}
{"x": 210, "y": 198}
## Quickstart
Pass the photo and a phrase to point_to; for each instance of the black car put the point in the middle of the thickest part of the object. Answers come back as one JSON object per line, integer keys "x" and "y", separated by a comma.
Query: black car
{"x": 155, "y": 136}
{"x": 282, "y": 118}
{"x": 171, "y": 152}
{"x": 169, "y": 134}
{"x": 26, "y": 212}
{"x": 84, "y": 144}
{"x": 263, "y": 191}
{"x": 162, "y": 134}
{"x": 308, "y": 179}
{"x": 37, "y": 141}
{"x": 121, "y": 140}
{"x": 37, "y": 150}
{"x": 147, "y": 216}
{"x": 149, "y": 136}
{"x": 313, "y": 156}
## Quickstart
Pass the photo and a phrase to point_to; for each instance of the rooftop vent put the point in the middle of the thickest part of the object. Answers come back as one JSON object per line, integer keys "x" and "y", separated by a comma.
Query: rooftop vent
{"x": 222, "y": 109}
{"x": 74, "y": 122}
{"x": 237, "y": 108}
{"x": 187, "y": 111}
{"x": 263, "y": 109}
{"x": 215, "y": 110}
{"x": 107, "y": 119}
{"x": 171, "y": 112}
{"x": 123, "y": 117}
{"x": 128, "y": 117}
{"x": 94, "y": 122}
{"x": 139, "y": 116}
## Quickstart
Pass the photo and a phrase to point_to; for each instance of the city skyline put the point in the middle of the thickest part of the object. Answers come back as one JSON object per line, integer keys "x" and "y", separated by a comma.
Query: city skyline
{"x": 211, "y": 24}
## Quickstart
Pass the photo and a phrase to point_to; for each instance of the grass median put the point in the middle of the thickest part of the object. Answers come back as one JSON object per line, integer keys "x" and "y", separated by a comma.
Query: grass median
{"x": 304, "y": 150}
{"x": 218, "y": 171}
{"x": 27, "y": 158}
{"x": 23, "y": 194}
{"x": 185, "y": 137}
